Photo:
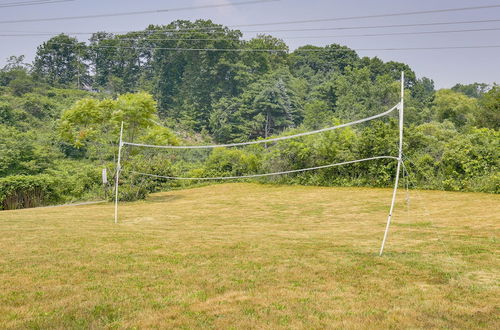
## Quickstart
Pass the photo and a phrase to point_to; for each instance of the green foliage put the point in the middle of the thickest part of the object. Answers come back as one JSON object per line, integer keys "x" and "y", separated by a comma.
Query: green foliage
{"x": 85, "y": 121}
{"x": 311, "y": 60}
{"x": 473, "y": 156}
{"x": 451, "y": 136}
{"x": 79, "y": 180}
{"x": 20, "y": 191}
{"x": 20, "y": 153}
{"x": 489, "y": 109}
{"x": 265, "y": 62}
{"x": 189, "y": 81}
{"x": 159, "y": 135}
{"x": 357, "y": 96}
{"x": 317, "y": 114}
{"x": 134, "y": 186}
{"x": 268, "y": 106}
{"x": 423, "y": 92}
{"x": 60, "y": 61}
{"x": 455, "y": 107}
{"x": 475, "y": 90}
{"x": 19, "y": 82}
{"x": 39, "y": 106}
{"x": 136, "y": 111}
{"x": 230, "y": 162}
{"x": 6, "y": 113}
{"x": 98, "y": 121}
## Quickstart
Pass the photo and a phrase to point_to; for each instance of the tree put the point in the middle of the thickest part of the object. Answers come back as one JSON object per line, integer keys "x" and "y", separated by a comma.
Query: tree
{"x": 93, "y": 123}
{"x": 489, "y": 109}
{"x": 274, "y": 104}
{"x": 62, "y": 61}
{"x": 189, "y": 82}
{"x": 137, "y": 111}
{"x": 6, "y": 113}
{"x": 358, "y": 97}
{"x": 317, "y": 114}
{"x": 119, "y": 61}
{"x": 475, "y": 90}
{"x": 471, "y": 158}
{"x": 15, "y": 75}
{"x": 455, "y": 107}
{"x": 16, "y": 63}
{"x": 423, "y": 91}
{"x": 394, "y": 69}
{"x": 264, "y": 62}
{"x": 331, "y": 58}
{"x": 21, "y": 154}
{"x": 225, "y": 119}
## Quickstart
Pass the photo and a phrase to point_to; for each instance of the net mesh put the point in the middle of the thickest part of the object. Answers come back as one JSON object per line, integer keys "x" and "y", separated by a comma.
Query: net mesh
{"x": 177, "y": 160}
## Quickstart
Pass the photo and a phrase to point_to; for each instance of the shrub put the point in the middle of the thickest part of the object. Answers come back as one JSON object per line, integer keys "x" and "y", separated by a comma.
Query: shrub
{"x": 21, "y": 191}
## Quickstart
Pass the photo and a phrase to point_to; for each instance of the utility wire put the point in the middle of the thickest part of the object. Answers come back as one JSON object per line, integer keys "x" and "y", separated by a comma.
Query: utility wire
{"x": 180, "y": 31}
{"x": 31, "y": 3}
{"x": 375, "y": 26}
{"x": 285, "y": 37}
{"x": 253, "y": 24}
{"x": 284, "y": 50}
{"x": 317, "y": 36}
{"x": 394, "y": 33}
{"x": 421, "y": 12}
{"x": 131, "y": 13}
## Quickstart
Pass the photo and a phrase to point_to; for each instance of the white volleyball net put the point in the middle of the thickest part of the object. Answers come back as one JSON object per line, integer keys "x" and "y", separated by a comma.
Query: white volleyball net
{"x": 205, "y": 150}
{"x": 155, "y": 165}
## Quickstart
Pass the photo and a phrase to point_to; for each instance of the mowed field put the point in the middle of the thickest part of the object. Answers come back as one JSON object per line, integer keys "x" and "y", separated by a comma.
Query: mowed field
{"x": 255, "y": 256}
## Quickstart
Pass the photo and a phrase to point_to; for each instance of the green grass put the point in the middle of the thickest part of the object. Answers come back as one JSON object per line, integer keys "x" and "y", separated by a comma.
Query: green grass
{"x": 254, "y": 256}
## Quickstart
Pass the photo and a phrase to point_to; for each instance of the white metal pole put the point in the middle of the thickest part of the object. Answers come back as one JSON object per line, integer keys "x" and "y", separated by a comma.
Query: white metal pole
{"x": 118, "y": 168}
{"x": 400, "y": 160}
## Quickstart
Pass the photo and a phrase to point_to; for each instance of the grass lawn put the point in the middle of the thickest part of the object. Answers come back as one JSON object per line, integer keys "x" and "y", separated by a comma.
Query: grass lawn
{"x": 255, "y": 256}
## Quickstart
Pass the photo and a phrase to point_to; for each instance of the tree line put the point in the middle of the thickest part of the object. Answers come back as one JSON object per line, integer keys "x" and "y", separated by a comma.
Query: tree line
{"x": 60, "y": 115}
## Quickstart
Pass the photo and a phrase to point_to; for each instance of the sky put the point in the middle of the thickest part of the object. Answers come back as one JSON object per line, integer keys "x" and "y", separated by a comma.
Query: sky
{"x": 445, "y": 67}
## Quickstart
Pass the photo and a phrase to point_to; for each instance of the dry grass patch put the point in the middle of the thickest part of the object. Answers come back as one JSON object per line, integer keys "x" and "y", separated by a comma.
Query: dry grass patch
{"x": 254, "y": 256}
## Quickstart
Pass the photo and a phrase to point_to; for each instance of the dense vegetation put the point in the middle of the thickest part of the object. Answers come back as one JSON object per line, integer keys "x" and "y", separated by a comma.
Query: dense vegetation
{"x": 60, "y": 116}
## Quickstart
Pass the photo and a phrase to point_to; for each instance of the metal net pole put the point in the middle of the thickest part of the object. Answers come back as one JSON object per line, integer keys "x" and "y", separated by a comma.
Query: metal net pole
{"x": 118, "y": 168}
{"x": 400, "y": 159}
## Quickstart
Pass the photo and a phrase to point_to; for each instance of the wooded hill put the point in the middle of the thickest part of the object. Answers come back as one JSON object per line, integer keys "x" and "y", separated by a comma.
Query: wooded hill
{"x": 199, "y": 82}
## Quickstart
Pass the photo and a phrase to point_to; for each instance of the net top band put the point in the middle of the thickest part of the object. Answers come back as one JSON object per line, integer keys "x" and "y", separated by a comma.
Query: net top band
{"x": 359, "y": 121}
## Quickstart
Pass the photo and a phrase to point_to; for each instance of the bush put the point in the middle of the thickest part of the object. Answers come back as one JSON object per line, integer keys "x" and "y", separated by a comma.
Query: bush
{"x": 21, "y": 191}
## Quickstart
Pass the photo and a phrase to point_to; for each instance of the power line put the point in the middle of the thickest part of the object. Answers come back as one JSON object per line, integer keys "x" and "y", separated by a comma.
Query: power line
{"x": 254, "y": 24}
{"x": 180, "y": 31}
{"x": 377, "y": 26}
{"x": 284, "y": 50}
{"x": 293, "y": 37}
{"x": 316, "y": 36}
{"x": 370, "y": 16}
{"x": 143, "y": 12}
{"x": 31, "y": 3}
{"x": 396, "y": 33}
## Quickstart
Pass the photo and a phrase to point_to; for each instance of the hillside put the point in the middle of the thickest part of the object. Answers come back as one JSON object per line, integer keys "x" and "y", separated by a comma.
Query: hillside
{"x": 199, "y": 82}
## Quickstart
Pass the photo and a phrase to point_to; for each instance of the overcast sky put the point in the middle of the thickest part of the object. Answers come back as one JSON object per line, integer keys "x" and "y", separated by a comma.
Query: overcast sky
{"x": 445, "y": 67}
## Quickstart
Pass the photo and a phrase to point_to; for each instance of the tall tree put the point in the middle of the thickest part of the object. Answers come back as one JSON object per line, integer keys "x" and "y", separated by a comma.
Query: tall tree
{"x": 189, "y": 81}
{"x": 332, "y": 58}
{"x": 475, "y": 90}
{"x": 62, "y": 61}
{"x": 262, "y": 62}
{"x": 119, "y": 60}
